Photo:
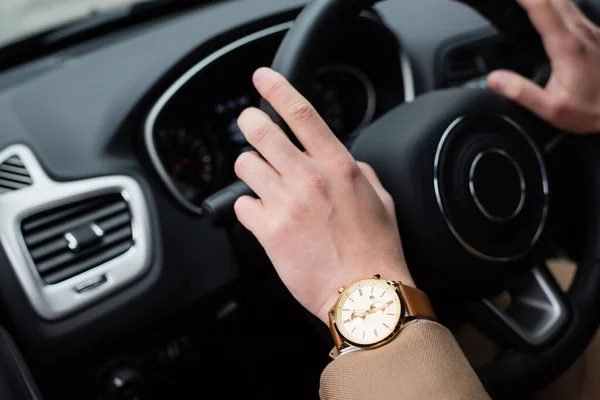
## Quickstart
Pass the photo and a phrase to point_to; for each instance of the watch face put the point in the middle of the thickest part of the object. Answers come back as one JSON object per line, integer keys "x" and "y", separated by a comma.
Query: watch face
{"x": 368, "y": 312}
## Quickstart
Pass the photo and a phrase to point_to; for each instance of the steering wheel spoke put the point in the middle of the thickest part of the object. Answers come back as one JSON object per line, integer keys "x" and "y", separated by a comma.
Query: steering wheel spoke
{"x": 536, "y": 312}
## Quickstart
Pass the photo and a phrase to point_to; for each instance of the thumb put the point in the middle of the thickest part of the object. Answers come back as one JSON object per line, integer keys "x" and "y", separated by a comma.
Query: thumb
{"x": 520, "y": 90}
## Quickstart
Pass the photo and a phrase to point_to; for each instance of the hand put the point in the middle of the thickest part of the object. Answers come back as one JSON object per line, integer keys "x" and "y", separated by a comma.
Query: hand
{"x": 323, "y": 219}
{"x": 571, "y": 99}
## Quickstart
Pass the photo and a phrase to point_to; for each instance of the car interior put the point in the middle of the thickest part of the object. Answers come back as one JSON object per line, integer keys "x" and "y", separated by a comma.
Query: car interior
{"x": 124, "y": 275}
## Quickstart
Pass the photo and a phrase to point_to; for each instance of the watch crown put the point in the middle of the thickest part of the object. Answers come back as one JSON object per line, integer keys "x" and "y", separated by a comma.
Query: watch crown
{"x": 340, "y": 290}
{"x": 377, "y": 276}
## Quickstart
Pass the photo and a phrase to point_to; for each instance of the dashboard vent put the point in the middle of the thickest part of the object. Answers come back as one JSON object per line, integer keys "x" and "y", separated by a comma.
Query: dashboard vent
{"x": 71, "y": 239}
{"x": 463, "y": 66}
{"x": 470, "y": 63}
{"x": 13, "y": 175}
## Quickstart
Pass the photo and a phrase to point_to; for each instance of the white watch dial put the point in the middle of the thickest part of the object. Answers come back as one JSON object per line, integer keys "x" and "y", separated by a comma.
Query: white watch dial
{"x": 368, "y": 312}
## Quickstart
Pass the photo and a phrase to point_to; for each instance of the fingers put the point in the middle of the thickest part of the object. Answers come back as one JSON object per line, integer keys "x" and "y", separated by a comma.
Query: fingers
{"x": 370, "y": 174}
{"x": 298, "y": 113}
{"x": 566, "y": 9}
{"x": 258, "y": 174}
{"x": 383, "y": 194}
{"x": 521, "y": 90}
{"x": 547, "y": 21}
{"x": 266, "y": 137}
{"x": 250, "y": 212}
{"x": 577, "y": 22}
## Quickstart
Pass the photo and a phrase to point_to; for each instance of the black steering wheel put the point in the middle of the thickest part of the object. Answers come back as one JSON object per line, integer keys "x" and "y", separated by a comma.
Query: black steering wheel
{"x": 468, "y": 173}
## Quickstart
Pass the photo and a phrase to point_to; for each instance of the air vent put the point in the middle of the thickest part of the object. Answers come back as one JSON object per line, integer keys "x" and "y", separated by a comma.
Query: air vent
{"x": 463, "y": 66}
{"x": 471, "y": 62}
{"x": 13, "y": 175}
{"x": 68, "y": 240}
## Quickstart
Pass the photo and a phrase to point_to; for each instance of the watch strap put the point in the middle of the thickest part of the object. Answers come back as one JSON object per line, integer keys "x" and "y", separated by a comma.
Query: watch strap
{"x": 337, "y": 338}
{"x": 416, "y": 302}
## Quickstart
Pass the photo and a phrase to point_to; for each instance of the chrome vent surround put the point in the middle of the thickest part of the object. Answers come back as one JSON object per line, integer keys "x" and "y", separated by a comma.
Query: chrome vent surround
{"x": 13, "y": 175}
{"x": 72, "y": 244}
{"x": 68, "y": 240}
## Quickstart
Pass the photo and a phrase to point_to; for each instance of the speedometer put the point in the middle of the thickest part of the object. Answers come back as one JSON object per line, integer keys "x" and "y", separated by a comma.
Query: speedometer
{"x": 345, "y": 97}
{"x": 189, "y": 161}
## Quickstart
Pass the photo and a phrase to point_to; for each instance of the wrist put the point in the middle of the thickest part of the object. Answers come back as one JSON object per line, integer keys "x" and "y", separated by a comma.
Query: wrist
{"x": 389, "y": 274}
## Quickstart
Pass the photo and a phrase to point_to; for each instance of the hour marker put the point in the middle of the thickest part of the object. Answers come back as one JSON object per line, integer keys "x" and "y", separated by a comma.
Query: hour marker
{"x": 386, "y": 325}
{"x": 364, "y": 334}
{"x": 346, "y": 321}
{"x": 350, "y": 299}
{"x": 353, "y": 329}
{"x": 375, "y": 332}
{"x": 360, "y": 291}
{"x": 390, "y": 313}
{"x": 345, "y": 309}
{"x": 372, "y": 287}
{"x": 384, "y": 292}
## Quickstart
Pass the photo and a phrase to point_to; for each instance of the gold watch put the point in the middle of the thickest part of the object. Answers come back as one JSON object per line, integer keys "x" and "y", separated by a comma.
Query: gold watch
{"x": 370, "y": 313}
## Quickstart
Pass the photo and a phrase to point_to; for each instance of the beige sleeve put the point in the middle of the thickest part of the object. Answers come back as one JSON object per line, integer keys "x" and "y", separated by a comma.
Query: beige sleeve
{"x": 422, "y": 362}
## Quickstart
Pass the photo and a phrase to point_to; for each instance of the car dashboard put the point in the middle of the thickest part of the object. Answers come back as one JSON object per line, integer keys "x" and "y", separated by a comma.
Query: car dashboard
{"x": 110, "y": 146}
{"x": 191, "y": 132}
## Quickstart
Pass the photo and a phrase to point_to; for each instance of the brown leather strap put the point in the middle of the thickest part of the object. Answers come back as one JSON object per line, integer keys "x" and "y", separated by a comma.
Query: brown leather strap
{"x": 337, "y": 339}
{"x": 416, "y": 302}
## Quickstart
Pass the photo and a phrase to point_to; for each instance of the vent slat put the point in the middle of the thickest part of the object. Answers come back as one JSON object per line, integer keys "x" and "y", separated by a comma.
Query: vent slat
{"x": 117, "y": 221}
{"x": 69, "y": 256}
{"x": 49, "y": 248}
{"x": 60, "y": 213}
{"x": 88, "y": 264}
{"x": 14, "y": 161}
{"x": 17, "y": 178}
{"x": 12, "y": 185}
{"x": 12, "y": 169}
{"x": 73, "y": 223}
{"x": 13, "y": 175}
{"x": 44, "y": 235}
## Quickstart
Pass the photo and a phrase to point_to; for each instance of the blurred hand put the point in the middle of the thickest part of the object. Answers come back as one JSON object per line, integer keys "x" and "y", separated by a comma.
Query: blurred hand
{"x": 324, "y": 220}
{"x": 571, "y": 99}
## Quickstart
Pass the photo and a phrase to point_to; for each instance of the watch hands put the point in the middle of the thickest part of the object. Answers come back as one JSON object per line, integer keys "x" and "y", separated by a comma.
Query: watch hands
{"x": 374, "y": 309}
{"x": 362, "y": 314}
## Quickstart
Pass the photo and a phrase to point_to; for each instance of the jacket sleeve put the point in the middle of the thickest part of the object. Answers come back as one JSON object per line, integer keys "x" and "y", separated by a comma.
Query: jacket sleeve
{"x": 422, "y": 362}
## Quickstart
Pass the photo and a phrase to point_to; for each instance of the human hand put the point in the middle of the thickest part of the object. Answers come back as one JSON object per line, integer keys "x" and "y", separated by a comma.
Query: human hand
{"x": 571, "y": 99}
{"x": 324, "y": 220}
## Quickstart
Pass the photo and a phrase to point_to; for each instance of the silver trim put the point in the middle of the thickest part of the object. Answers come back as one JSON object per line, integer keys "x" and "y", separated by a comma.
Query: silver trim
{"x": 97, "y": 230}
{"x": 367, "y": 84}
{"x": 545, "y": 303}
{"x": 59, "y": 300}
{"x": 175, "y": 87}
{"x": 72, "y": 242}
{"x": 436, "y": 186}
{"x": 554, "y": 142}
{"x": 407, "y": 78}
{"x": 480, "y": 206}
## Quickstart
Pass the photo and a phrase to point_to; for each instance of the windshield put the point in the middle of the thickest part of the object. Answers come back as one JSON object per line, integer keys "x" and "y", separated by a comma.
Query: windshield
{"x": 22, "y": 18}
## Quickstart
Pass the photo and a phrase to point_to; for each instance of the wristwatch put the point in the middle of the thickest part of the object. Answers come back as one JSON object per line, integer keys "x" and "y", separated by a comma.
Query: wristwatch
{"x": 370, "y": 313}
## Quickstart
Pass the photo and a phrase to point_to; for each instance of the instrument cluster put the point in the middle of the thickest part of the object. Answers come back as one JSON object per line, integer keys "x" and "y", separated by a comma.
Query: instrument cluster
{"x": 192, "y": 133}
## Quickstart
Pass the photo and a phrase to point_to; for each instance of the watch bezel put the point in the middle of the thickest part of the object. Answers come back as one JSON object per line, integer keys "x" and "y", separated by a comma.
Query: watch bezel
{"x": 393, "y": 332}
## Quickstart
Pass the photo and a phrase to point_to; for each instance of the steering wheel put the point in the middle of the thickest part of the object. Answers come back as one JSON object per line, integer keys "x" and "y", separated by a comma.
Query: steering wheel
{"x": 468, "y": 174}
